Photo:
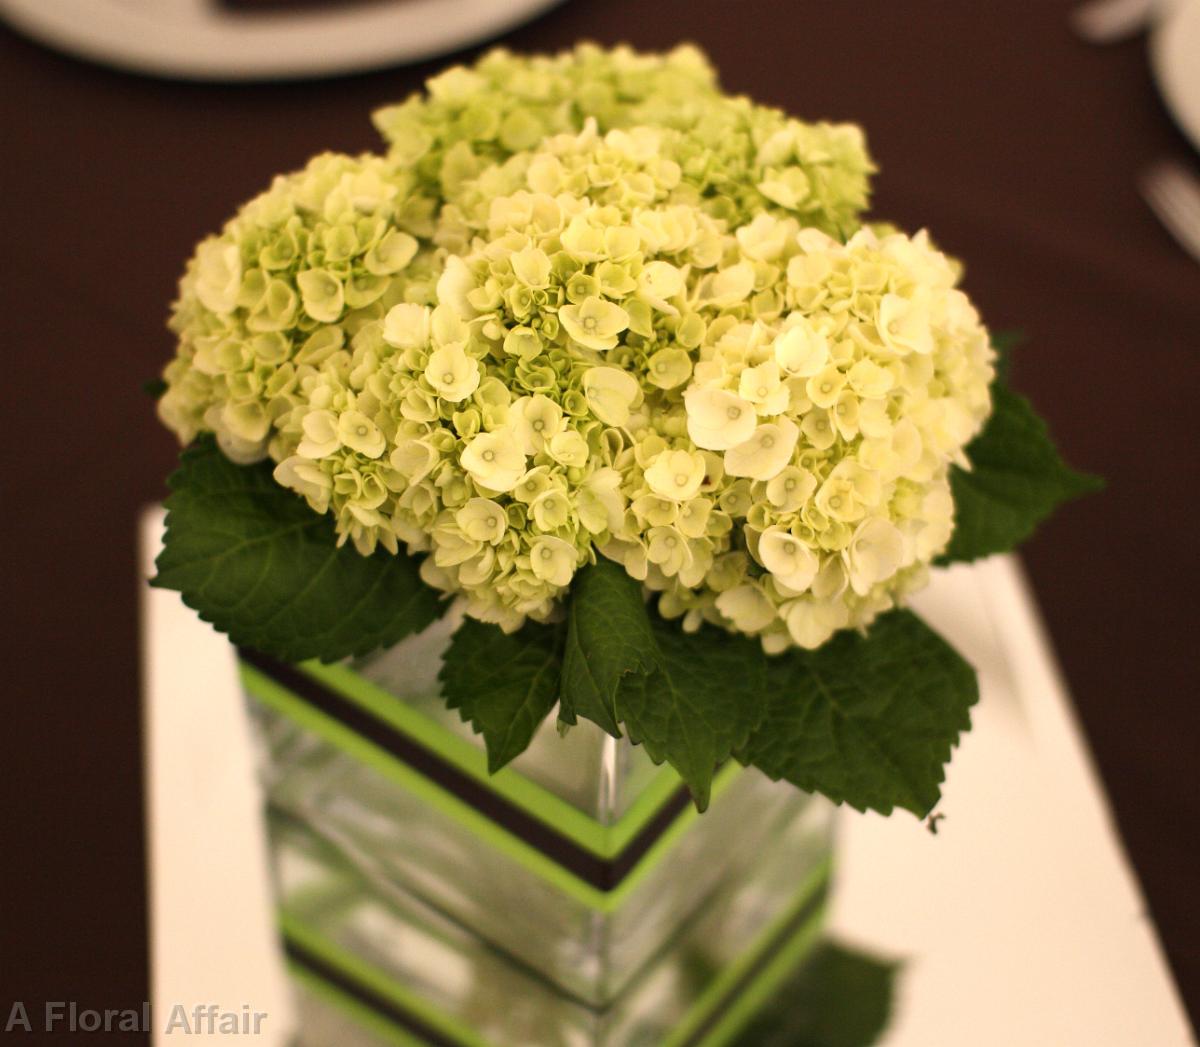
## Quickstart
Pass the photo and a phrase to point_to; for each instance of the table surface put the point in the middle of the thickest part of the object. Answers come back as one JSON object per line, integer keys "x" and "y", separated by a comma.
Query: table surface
{"x": 1017, "y": 144}
{"x": 1062, "y": 926}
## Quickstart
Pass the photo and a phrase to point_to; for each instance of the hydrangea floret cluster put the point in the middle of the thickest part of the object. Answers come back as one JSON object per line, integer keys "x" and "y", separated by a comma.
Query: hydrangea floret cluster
{"x": 591, "y": 306}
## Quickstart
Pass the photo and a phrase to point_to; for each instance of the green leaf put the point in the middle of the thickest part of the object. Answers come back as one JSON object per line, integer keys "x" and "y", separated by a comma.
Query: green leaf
{"x": 700, "y": 704}
{"x": 154, "y": 388}
{"x": 608, "y": 637}
{"x": 503, "y": 684}
{"x": 1016, "y": 480}
{"x": 839, "y": 997}
{"x": 260, "y": 565}
{"x": 867, "y": 720}
{"x": 690, "y": 698}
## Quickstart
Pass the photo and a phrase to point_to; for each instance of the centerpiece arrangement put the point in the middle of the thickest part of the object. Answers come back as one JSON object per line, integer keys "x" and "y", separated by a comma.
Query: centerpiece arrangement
{"x": 594, "y": 394}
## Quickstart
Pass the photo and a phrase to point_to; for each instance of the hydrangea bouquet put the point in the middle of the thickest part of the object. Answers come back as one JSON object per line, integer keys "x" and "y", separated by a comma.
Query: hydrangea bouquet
{"x": 609, "y": 359}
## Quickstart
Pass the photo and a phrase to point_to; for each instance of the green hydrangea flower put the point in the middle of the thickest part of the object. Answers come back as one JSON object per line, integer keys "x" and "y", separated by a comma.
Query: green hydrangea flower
{"x": 590, "y": 305}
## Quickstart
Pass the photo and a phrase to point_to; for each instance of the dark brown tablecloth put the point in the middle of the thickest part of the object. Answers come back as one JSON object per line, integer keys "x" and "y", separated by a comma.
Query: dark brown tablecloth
{"x": 1014, "y": 142}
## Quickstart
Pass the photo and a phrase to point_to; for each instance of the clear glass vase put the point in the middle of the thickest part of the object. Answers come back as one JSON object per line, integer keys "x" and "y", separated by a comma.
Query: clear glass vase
{"x": 574, "y": 899}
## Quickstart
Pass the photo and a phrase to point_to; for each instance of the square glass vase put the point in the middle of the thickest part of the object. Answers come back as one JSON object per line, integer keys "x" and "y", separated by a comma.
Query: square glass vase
{"x": 573, "y": 899}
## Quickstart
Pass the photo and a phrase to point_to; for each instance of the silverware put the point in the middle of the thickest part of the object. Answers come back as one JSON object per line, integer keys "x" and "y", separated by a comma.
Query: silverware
{"x": 1106, "y": 21}
{"x": 1173, "y": 194}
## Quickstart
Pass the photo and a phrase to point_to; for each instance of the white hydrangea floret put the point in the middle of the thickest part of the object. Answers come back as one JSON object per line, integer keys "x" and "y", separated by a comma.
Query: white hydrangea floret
{"x": 747, "y": 607}
{"x": 718, "y": 419}
{"x": 536, "y": 420}
{"x": 595, "y": 323}
{"x": 406, "y": 326}
{"x": 876, "y": 552}
{"x": 676, "y": 475}
{"x": 611, "y": 393}
{"x": 218, "y": 275}
{"x": 552, "y": 560}
{"x": 788, "y": 559}
{"x": 767, "y": 451}
{"x": 482, "y": 520}
{"x": 495, "y": 460}
{"x": 452, "y": 373}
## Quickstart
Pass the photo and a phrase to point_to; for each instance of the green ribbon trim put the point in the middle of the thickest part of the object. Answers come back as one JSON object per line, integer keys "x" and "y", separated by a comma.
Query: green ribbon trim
{"x": 750, "y": 1000}
{"x": 365, "y": 1017}
{"x": 605, "y": 841}
{"x": 376, "y": 981}
{"x": 284, "y": 702}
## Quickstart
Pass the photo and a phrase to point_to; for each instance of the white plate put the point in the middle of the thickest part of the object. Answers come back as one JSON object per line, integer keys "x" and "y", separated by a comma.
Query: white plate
{"x": 1175, "y": 57}
{"x": 200, "y": 40}
{"x": 1020, "y": 922}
